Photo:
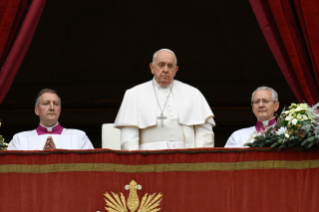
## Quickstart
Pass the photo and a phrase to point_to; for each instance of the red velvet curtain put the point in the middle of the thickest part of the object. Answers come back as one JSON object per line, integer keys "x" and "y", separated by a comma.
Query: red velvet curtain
{"x": 15, "y": 40}
{"x": 291, "y": 29}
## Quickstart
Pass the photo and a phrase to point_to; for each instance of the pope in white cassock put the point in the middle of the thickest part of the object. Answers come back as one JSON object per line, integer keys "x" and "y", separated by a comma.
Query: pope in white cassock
{"x": 49, "y": 134}
{"x": 264, "y": 103}
{"x": 164, "y": 113}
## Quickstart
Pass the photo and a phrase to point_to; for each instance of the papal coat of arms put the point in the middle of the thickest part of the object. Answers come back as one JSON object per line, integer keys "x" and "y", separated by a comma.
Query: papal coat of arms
{"x": 116, "y": 203}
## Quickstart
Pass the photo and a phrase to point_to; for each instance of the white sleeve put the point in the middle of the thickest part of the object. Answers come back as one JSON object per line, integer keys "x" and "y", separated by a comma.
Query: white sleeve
{"x": 204, "y": 135}
{"x": 129, "y": 138}
{"x": 231, "y": 142}
{"x": 234, "y": 141}
{"x": 14, "y": 143}
{"x": 239, "y": 138}
{"x": 86, "y": 143}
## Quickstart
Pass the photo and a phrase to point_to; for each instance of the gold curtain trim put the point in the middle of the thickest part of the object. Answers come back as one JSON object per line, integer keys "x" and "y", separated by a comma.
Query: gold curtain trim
{"x": 171, "y": 151}
{"x": 171, "y": 167}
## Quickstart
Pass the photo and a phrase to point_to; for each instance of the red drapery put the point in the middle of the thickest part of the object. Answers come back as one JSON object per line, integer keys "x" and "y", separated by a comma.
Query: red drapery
{"x": 291, "y": 29}
{"x": 13, "y": 51}
{"x": 190, "y": 180}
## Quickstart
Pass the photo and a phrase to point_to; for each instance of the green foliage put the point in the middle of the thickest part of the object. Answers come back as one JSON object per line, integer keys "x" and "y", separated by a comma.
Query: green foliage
{"x": 3, "y": 145}
{"x": 296, "y": 126}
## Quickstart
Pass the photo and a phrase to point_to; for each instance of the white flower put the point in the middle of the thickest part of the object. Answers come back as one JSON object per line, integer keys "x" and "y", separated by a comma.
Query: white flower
{"x": 289, "y": 117}
{"x": 302, "y": 117}
{"x": 298, "y": 113}
{"x": 301, "y": 107}
{"x": 281, "y": 131}
{"x": 294, "y": 121}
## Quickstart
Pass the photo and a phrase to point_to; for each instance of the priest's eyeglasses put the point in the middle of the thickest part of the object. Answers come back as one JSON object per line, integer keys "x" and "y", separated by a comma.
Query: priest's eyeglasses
{"x": 262, "y": 101}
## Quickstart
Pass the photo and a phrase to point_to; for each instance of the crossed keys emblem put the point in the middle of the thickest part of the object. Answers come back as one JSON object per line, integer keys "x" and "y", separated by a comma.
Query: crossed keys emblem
{"x": 117, "y": 203}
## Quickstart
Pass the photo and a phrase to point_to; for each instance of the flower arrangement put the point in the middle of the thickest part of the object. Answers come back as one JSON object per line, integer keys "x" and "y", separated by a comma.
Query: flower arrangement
{"x": 297, "y": 126}
{"x": 3, "y": 145}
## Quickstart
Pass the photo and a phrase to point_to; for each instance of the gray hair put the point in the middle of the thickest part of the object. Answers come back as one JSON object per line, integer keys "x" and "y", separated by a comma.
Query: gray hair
{"x": 46, "y": 90}
{"x": 168, "y": 50}
{"x": 274, "y": 93}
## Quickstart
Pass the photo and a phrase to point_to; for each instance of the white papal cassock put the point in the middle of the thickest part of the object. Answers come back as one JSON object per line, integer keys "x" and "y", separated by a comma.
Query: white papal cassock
{"x": 246, "y": 135}
{"x": 188, "y": 122}
{"x": 62, "y": 137}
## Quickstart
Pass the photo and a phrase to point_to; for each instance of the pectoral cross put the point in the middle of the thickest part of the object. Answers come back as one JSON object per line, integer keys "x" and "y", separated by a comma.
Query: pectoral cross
{"x": 161, "y": 118}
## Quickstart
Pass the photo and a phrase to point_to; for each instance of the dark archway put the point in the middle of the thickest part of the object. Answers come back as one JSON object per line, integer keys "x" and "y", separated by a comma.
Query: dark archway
{"x": 92, "y": 51}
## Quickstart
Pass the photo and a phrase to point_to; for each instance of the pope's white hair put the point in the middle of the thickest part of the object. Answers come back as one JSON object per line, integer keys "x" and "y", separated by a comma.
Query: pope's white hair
{"x": 274, "y": 93}
{"x": 168, "y": 50}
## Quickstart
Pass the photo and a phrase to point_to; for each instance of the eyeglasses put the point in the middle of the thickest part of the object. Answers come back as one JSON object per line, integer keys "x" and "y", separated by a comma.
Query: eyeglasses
{"x": 263, "y": 101}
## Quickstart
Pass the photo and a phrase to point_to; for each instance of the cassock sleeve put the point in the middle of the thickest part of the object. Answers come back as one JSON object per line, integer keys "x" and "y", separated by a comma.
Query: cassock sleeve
{"x": 234, "y": 141}
{"x": 86, "y": 143}
{"x": 129, "y": 138}
{"x": 231, "y": 142}
{"x": 204, "y": 135}
{"x": 14, "y": 143}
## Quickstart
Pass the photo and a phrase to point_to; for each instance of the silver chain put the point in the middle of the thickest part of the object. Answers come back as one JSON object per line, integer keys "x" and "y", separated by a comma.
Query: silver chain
{"x": 170, "y": 91}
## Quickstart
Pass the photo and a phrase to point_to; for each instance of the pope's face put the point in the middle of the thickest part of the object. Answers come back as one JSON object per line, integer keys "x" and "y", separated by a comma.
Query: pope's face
{"x": 164, "y": 68}
{"x": 263, "y": 105}
{"x": 49, "y": 109}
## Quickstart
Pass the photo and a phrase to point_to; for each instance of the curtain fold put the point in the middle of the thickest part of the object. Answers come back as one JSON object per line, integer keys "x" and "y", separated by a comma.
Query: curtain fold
{"x": 11, "y": 14}
{"x": 13, "y": 52}
{"x": 291, "y": 29}
{"x": 8, "y": 10}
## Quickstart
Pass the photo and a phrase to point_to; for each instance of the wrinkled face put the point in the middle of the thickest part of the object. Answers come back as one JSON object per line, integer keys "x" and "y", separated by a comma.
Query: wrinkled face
{"x": 263, "y": 105}
{"x": 164, "y": 68}
{"x": 49, "y": 109}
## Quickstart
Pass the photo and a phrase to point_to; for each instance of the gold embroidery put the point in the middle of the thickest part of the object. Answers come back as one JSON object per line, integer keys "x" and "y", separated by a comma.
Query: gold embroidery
{"x": 118, "y": 205}
{"x": 149, "y": 202}
{"x": 187, "y": 167}
{"x": 133, "y": 201}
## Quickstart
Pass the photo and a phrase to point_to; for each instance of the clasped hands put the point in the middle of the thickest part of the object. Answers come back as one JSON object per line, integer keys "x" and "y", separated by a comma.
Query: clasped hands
{"x": 49, "y": 144}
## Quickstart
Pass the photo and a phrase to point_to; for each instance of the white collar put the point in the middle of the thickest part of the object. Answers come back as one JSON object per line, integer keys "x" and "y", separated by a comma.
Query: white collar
{"x": 49, "y": 128}
{"x": 266, "y": 123}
